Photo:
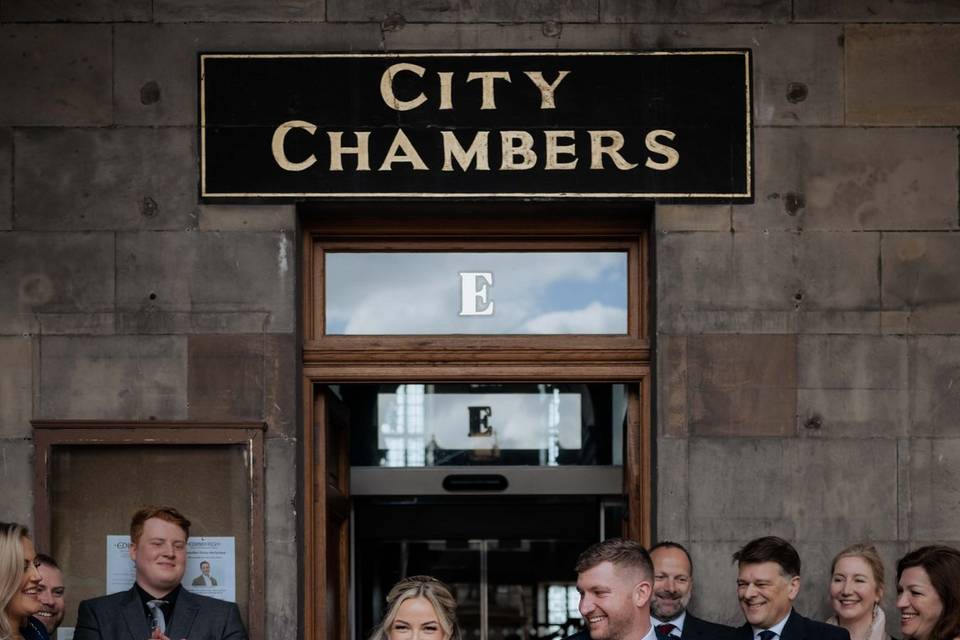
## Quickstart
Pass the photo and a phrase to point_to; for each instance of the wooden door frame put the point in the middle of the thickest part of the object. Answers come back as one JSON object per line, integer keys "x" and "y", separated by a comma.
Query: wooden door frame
{"x": 411, "y": 359}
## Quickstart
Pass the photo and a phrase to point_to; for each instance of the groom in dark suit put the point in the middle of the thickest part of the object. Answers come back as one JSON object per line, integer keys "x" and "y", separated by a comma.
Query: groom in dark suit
{"x": 157, "y": 607}
{"x": 672, "y": 589}
{"x": 768, "y": 581}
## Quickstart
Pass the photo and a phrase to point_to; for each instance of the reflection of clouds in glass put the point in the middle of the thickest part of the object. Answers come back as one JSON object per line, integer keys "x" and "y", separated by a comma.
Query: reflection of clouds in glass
{"x": 595, "y": 318}
{"x": 418, "y": 293}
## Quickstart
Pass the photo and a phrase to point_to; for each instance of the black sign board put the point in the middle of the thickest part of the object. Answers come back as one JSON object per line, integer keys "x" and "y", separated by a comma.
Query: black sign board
{"x": 663, "y": 124}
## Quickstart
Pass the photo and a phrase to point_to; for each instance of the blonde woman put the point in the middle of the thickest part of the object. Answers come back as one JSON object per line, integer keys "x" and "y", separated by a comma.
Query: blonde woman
{"x": 419, "y": 608}
{"x": 19, "y": 580}
{"x": 856, "y": 590}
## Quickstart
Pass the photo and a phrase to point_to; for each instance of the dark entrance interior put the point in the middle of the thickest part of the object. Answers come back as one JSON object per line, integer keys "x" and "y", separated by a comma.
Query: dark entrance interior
{"x": 512, "y": 573}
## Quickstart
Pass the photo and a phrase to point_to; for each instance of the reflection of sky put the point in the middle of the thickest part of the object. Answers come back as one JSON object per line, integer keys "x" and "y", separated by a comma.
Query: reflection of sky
{"x": 419, "y": 293}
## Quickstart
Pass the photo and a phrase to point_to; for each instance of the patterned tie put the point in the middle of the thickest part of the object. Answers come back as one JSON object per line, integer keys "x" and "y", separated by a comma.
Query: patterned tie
{"x": 156, "y": 611}
{"x": 665, "y": 629}
{"x": 766, "y": 634}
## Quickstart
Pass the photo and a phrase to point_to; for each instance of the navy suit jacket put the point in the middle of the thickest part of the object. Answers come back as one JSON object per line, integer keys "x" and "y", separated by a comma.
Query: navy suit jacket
{"x": 120, "y": 616}
{"x": 800, "y": 628}
{"x": 696, "y": 629}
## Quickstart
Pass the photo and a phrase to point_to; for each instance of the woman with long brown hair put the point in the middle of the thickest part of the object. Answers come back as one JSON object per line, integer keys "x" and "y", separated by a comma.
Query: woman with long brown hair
{"x": 928, "y": 593}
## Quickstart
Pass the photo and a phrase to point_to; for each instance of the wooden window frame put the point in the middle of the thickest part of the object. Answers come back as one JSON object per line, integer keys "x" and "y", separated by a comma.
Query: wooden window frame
{"x": 333, "y": 359}
{"x": 51, "y": 433}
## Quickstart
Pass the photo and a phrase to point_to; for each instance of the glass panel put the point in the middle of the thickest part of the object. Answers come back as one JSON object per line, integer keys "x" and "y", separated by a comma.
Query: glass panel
{"x": 476, "y": 293}
{"x": 512, "y": 569}
{"x": 433, "y": 425}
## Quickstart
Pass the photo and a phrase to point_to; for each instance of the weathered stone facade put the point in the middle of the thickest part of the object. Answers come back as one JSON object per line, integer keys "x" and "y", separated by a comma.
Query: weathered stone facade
{"x": 808, "y": 345}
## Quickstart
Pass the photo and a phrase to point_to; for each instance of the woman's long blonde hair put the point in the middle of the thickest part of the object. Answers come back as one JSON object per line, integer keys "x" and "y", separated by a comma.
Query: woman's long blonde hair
{"x": 437, "y": 594}
{"x": 11, "y": 573}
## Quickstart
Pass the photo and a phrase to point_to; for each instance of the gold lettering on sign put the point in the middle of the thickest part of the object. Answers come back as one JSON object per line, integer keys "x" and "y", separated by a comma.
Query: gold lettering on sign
{"x": 654, "y": 145}
{"x": 487, "y": 78}
{"x": 511, "y": 151}
{"x": 280, "y": 155}
{"x": 598, "y": 149}
{"x": 554, "y": 150}
{"x": 546, "y": 90}
{"x": 337, "y": 150}
{"x": 446, "y": 89}
{"x": 386, "y": 87}
{"x": 477, "y": 151}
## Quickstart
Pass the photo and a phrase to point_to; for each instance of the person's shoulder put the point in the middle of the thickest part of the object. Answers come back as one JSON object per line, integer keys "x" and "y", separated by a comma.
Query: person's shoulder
{"x": 706, "y": 627}
{"x": 579, "y": 635}
{"x": 817, "y": 629}
{"x": 206, "y": 601}
{"x": 109, "y": 600}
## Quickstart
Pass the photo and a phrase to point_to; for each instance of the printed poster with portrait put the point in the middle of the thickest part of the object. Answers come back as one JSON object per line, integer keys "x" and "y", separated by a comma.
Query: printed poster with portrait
{"x": 211, "y": 566}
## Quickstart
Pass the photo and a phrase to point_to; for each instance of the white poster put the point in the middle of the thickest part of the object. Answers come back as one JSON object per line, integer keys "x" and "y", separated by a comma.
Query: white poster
{"x": 211, "y": 566}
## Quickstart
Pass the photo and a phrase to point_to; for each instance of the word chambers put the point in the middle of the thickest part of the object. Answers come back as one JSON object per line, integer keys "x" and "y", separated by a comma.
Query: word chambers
{"x": 298, "y": 145}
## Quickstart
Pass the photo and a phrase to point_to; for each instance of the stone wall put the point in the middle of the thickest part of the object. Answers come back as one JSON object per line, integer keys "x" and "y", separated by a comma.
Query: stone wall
{"x": 808, "y": 356}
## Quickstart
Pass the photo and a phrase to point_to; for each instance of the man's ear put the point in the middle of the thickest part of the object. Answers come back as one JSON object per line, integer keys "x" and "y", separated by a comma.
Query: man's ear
{"x": 132, "y": 550}
{"x": 641, "y": 593}
{"x": 793, "y": 588}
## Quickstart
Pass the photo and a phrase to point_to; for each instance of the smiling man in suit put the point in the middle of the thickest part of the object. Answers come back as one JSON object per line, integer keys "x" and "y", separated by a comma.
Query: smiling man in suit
{"x": 672, "y": 590}
{"x": 768, "y": 582}
{"x": 156, "y": 607}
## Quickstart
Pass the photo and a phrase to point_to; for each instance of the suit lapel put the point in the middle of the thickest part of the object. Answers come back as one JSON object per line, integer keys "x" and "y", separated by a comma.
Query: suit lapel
{"x": 184, "y": 614}
{"x": 134, "y": 615}
{"x": 794, "y": 629}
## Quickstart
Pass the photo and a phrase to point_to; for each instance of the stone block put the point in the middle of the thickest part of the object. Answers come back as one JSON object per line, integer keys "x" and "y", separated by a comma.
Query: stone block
{"x": 247, "y": 217}
{"x": 715, "y": 581}
{"x": 934, "y": 507}
{"x": 709, "y": 282}
{"x": 281, "y": 535}
{"x": 839, "y": 271}
{"x": 73, "y": 11}
{"x": 110, "y": 179}
{"x": 692, "y": 217}
{"x": 281, "y": 375}
{"x": 934, "y": 385}
{"x": 834, "y": 321}
{"x": 852, "y": 386}
{"x": 461, "y": 11}
{"x": 921, "y": 276}
{"x": 841, "y": 489}
{"x": 16, "y": 386}
{"x": 153, "y": 86}
{"x": 208, "y": 273}
{"x": 252, "y": 10}
{"x": 737, "y": 489}
{"x": 53, "y": 273}
{"x": 852, "y": 180}
{"x": 78, "y": 324}
{"x": 16, "y": 474}
{"x": 797, "y": 69}
{"x": 6, "y": 180}
{"x": 852, "y": 413}
{"x": 400, "y": 36}
{"x": 694, "y": 11}
{"x": 903, "y": 74}
{"x": 62, "y": 75}
{"x": 113, "y": 377}
{"x": 852, "y": 362}
{"x": 153, "y": 320}
{"x": 741, "y": 385}
{"x": 672, "y": 488}
{"x": 869, "y": 11}
{"x": 672, "y": 383}
{"x": 225, "y": 377}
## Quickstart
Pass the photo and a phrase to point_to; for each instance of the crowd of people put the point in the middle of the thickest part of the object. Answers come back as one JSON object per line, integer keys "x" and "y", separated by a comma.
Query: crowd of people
{"x": 626, "y": 593}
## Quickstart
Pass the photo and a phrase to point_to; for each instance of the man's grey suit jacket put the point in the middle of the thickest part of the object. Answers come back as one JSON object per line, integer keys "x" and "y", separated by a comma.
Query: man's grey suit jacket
{"x": 121, "y": 616}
